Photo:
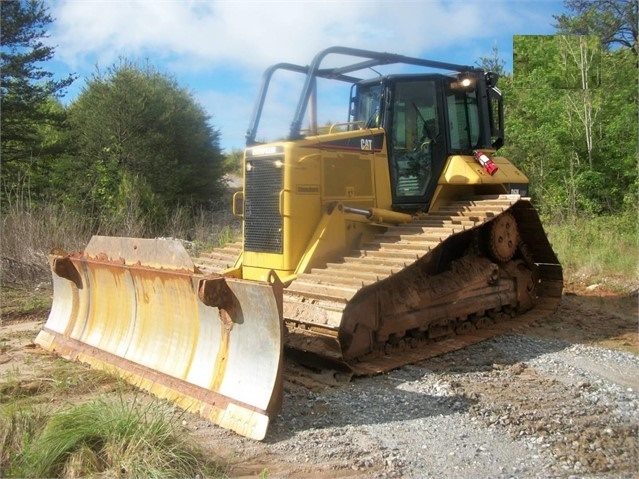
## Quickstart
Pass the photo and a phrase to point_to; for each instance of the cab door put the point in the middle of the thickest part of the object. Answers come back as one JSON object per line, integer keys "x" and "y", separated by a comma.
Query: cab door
{"x": 417, "y": 150}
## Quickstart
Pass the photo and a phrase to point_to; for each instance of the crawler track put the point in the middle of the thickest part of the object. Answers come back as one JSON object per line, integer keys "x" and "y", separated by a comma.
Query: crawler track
{"x": 219, "y": 258}
{"x": 419, "y": 290}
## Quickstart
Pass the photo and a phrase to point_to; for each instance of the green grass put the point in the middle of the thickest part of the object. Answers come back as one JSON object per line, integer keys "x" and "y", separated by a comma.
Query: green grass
{"x": 23, "y": 301}
{"x": 104, "y": 437}
{"x": 603, "y": 250}
{"x": 226, "y": 235}
{"x": 19, "y": 424}
{"x": 71, "y": 377}
{"x": 10, "y": 389}
{"x": 46, "y": 431}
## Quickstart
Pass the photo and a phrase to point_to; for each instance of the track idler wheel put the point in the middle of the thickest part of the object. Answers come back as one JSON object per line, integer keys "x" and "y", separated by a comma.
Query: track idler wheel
{"x": 504, "y": 238}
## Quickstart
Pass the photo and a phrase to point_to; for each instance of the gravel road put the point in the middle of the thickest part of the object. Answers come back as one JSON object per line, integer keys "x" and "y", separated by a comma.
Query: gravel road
{"x": 520, "y": 405}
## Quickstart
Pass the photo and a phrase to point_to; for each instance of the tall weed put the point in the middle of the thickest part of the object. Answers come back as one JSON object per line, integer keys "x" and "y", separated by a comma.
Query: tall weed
{"x": 19, "y": 424}
{"x": 30, "y": 231}
{"x": 598, "y": 250}
{"x": 114, "y": 438}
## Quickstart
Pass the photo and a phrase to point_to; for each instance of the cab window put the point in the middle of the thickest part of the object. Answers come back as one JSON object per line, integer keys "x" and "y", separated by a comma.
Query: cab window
{"x": 463, "y": 118}
{"x": 415, "y": 127}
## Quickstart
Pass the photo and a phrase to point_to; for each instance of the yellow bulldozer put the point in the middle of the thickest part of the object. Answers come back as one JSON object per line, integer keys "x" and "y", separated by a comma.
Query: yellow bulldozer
{"x": 367, "y": 245}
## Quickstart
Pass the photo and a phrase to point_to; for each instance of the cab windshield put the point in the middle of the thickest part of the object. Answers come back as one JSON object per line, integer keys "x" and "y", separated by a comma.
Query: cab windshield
{"x": 367, "y": 105}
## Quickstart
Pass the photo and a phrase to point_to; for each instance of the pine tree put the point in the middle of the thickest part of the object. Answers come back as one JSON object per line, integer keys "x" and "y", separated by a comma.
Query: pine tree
{"x": 27, "y": 91}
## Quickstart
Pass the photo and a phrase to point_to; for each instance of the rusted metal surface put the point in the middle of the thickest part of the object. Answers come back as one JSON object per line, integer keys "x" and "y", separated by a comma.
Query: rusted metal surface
{"x": 147, "y": 252}
{"x": 437, "y": 284}
{"x": 480, "y": 329}
{"x": 211, "y": 344}
{"x": 504, "y": 238}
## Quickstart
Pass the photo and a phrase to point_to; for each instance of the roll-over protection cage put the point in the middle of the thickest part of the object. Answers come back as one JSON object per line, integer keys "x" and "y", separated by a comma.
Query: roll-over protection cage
{"x": 370, "y": 59}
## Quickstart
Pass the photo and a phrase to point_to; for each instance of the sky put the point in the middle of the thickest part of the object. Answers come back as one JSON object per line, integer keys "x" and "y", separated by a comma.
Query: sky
{"x": 218, "y": 49}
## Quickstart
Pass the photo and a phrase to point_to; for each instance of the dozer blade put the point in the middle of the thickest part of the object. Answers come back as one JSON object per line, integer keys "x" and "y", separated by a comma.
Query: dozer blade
{"x": 139, "y": 308}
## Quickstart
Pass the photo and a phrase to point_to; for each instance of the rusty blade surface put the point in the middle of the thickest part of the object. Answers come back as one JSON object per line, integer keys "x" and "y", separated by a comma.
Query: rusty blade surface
{"x": 223, "y": 361}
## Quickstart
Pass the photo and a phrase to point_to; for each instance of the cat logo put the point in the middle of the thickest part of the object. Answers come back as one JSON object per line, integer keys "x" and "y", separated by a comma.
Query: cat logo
{"x": 367, "y": 144}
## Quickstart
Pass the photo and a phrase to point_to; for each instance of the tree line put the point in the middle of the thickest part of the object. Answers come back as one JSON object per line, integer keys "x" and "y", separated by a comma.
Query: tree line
{"x": 572, "y": 115}
{"x": 133, "y": 142}
{"x": 136, "y": 142}
{"x": 571, "y": 107}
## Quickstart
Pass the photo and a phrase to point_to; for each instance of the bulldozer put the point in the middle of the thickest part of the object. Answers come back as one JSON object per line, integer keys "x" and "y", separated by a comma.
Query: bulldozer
{"x": 366, "y": 245}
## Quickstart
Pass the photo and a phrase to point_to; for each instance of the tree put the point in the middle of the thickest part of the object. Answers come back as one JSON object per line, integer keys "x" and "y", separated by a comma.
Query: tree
{"x": 616, "y": 22}
{"x": 493, "y": 63}
{"x": 233, "y": 162}
{"x": 27, "y": 91}
{"x": 581, "y": 54}
{"x": 571, "y": 123}
{"x": 135, "y": 130}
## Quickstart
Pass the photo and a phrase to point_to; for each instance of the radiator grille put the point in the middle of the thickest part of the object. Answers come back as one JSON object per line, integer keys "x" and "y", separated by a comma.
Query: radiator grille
{"x": 262, "y": 220}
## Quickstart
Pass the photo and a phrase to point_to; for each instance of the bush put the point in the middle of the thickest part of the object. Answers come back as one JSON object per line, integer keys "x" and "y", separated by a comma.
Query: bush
{"x": 29, "y": 233}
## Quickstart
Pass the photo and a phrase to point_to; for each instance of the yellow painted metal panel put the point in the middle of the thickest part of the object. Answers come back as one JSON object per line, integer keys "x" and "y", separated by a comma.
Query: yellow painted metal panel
{"x": 465, "y": 170}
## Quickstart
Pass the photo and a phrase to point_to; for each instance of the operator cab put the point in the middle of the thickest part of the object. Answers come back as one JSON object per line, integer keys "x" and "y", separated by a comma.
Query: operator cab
{"x": 427, "y": 118}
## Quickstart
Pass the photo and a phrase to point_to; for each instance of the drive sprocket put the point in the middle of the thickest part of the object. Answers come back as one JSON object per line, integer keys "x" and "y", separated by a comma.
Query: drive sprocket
{"x": 504, "y": 238}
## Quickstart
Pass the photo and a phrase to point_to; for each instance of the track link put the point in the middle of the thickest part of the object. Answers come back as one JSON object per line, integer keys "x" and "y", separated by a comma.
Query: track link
{"x": 219, "y": 259}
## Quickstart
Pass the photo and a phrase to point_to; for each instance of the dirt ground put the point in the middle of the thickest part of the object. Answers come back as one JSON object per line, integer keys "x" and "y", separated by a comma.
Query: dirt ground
{"x": 597, "y": 317}
{"x": 494, "y": 394}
